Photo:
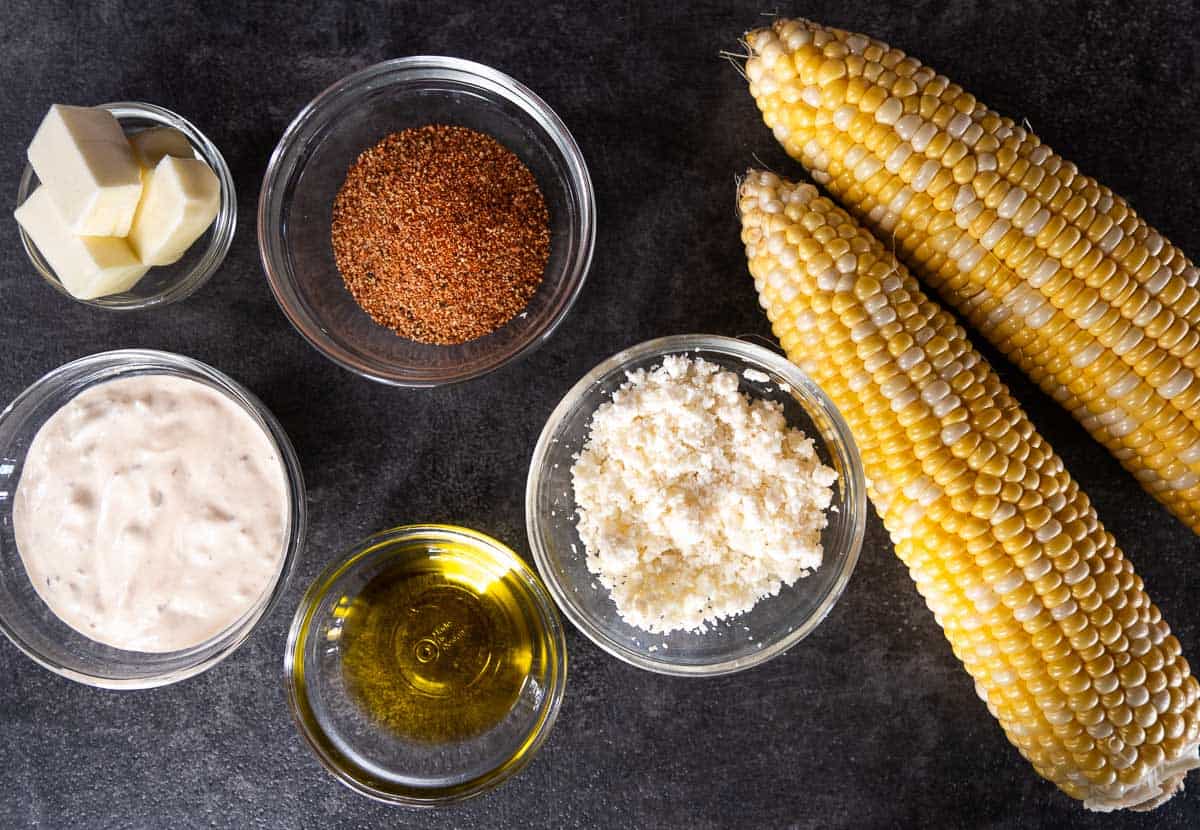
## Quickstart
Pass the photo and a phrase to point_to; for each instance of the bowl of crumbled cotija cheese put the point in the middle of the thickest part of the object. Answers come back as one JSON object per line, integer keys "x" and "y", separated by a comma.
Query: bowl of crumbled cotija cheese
{"x": 696, "y": 505}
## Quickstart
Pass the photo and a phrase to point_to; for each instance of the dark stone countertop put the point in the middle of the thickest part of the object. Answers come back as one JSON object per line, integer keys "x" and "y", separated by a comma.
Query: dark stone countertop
{"x": 868, "y": 723}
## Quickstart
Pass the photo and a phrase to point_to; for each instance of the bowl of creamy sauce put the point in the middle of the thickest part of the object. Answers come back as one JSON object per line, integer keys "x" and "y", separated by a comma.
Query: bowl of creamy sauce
{"x": 151, "y": 510}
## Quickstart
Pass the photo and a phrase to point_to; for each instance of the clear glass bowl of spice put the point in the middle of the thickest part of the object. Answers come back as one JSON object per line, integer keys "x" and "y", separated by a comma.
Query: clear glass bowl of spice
{"x": 425, "y": 221}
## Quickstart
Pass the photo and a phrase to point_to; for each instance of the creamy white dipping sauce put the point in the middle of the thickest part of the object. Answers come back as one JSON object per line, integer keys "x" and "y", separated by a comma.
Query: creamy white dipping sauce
{"x": 150, "y": 513}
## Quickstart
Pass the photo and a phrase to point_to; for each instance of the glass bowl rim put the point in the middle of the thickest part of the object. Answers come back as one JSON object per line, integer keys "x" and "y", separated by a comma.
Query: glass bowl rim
{"x": 223, "y": 228}
{"x": 284, "y": 167}
{"x": 363, "y": 552}
{"x": 755, "y": 356}
{"x": 238, "y": 631}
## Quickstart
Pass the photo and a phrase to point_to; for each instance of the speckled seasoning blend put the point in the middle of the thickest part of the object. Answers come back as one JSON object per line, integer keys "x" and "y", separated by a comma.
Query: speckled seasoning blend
{"x": 441, "y": 234}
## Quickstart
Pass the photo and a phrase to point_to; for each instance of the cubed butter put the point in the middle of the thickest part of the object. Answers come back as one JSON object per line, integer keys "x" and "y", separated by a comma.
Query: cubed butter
{"x": 87, "y": 266}
{"x": 149, "y": 146}
{"x": 81, "y": 156}
{"x": 179, "y": 203}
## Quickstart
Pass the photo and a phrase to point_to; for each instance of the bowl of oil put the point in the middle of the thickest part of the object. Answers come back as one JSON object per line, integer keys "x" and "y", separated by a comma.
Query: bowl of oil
{"x": 427, "y": 666}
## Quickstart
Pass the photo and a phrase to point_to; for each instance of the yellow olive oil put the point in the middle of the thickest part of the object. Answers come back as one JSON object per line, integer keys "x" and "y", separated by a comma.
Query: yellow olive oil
{"x": 438, "y": 647}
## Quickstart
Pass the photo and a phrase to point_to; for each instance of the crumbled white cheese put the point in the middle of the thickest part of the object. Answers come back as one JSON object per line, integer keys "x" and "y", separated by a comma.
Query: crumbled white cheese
{"x": 755, "y": 376}
{"x": 695, "y": 501}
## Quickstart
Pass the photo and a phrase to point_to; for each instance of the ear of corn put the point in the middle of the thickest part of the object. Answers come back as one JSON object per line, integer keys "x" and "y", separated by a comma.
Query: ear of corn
{"x": 1052, "y": 267}
{"x": 1038, "y": 602}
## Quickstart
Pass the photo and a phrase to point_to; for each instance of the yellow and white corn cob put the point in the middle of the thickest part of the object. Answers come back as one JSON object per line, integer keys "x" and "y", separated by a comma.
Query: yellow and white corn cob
{"x": 1035, "y": 597}
{"x": 1052, "y": 267}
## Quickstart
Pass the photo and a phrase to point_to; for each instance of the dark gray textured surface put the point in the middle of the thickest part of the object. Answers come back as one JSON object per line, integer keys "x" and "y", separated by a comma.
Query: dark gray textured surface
{"x": 870, "y": 722}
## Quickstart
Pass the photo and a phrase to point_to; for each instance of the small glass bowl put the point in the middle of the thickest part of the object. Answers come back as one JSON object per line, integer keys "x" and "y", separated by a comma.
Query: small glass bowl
{"x": 29, "y": 622}
{"x": 162, "y": 284}
{"x": 775, "y": 623}
{"x": 310, "y": 164}
{"x": 376, "y": 761}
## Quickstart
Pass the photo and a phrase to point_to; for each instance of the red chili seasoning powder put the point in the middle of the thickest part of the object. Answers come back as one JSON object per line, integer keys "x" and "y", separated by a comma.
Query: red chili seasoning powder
{"x": 441, "y": 233}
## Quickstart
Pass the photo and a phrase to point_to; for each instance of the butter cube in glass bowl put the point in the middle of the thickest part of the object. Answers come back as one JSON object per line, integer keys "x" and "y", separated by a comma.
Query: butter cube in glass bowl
{"x": 154, "y": 133}
{"x": 151, "y": 145}
{"x": 86, "y": 165}
{"x": 89, "y": 266}
{"x": 180, "y": 199}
